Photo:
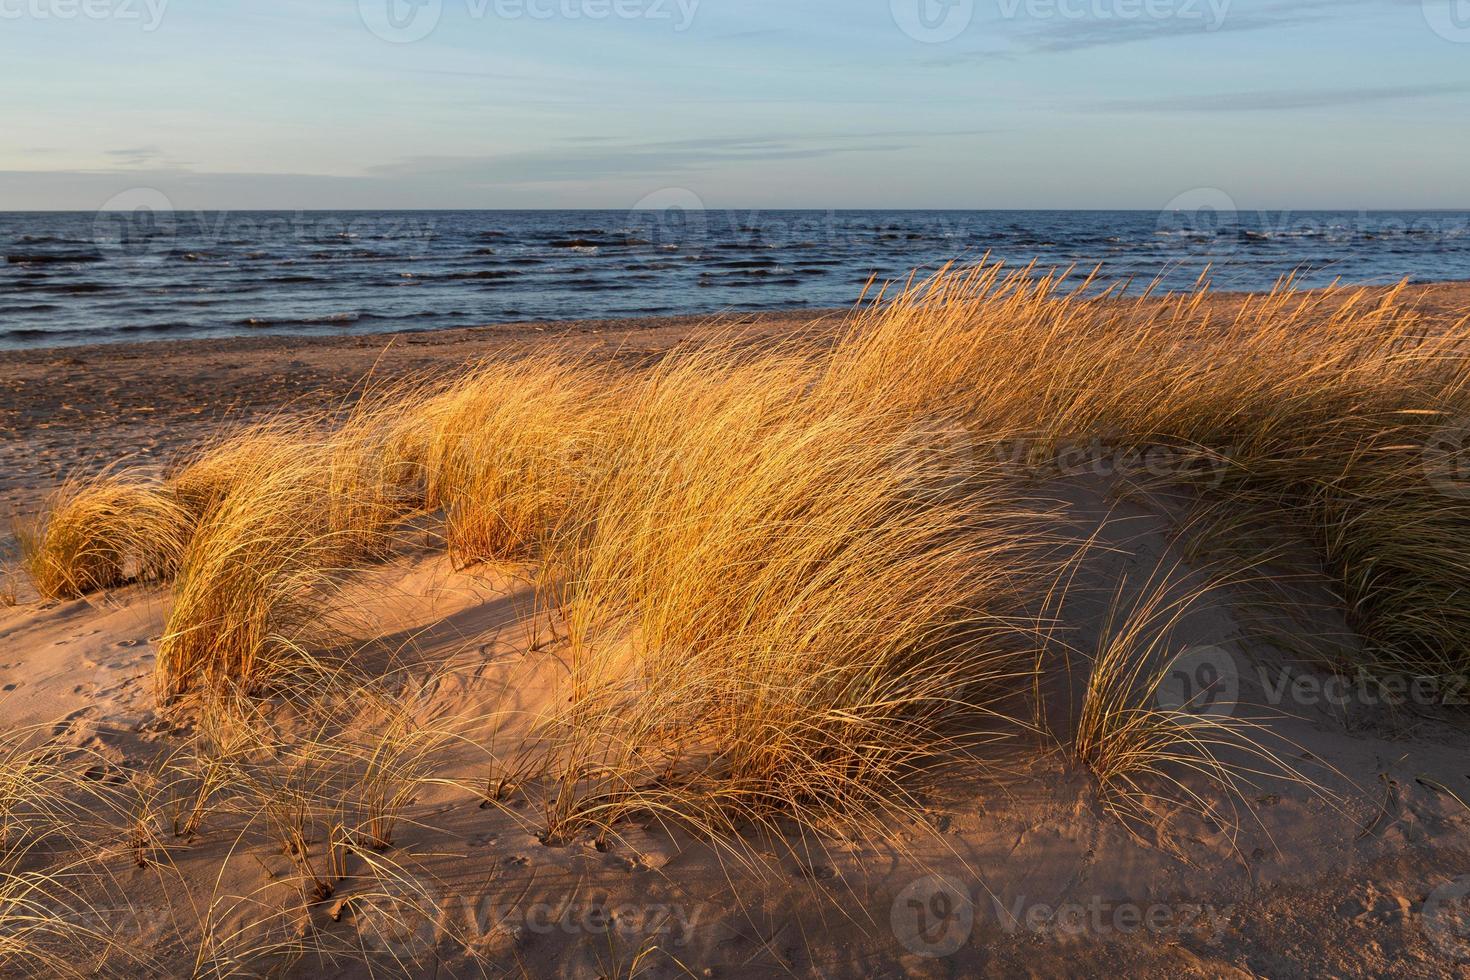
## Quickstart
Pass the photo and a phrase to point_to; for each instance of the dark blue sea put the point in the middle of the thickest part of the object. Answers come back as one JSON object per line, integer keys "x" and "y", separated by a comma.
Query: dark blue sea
{"x": 73, "y": 278}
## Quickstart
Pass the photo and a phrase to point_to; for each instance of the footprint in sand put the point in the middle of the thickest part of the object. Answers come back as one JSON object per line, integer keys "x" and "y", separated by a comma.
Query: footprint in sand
{"x": 73, "y": 723}
{"x": 815, "y": 872}
{"x": 10, "y": 687}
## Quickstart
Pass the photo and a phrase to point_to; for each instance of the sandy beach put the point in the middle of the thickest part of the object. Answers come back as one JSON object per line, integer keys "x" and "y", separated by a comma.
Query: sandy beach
{"x": 1341, "y": 855}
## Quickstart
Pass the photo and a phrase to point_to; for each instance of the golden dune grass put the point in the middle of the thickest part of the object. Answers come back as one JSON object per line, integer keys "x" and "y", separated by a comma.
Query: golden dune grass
{"x": 795, "y": 580}
{"x": 52, "y": 876}
{"x": 102, "y": 532}
{"x": 811, "y": 596}
{"x": 792, "y": 577}
{"x": 1341, "y": 406}
{"x": 501, "y": 448}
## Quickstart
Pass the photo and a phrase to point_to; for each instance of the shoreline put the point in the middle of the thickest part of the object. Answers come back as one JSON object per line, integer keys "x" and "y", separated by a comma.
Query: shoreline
{"x": 1444, "y": 296}
{"x": 264, "y": 334}
{"x": 510, "y": 330}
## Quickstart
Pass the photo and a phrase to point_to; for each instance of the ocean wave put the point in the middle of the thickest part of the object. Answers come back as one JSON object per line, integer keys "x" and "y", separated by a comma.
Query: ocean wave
{"x": 745, "y": 264}
{"x": 481, "y": 274}
{"x": 49, "y": 240}
{"x": 35, "y": 258}
{"x": 42, "y": 333}
{"x": 589, "y": 284}
{"x": 68, "y": 288}
{"x": 158, "y": 328}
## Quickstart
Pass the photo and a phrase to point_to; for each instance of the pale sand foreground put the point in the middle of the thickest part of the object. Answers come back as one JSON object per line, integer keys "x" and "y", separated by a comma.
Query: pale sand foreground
{"x": 1037, "y": 879}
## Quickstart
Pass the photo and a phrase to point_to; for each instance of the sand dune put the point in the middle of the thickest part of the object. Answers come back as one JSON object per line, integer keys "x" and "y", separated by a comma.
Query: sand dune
{"x": 987, "y": 632}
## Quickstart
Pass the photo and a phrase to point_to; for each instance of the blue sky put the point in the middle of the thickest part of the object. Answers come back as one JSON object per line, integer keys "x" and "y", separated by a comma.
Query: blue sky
{"x": 735, "y": 103}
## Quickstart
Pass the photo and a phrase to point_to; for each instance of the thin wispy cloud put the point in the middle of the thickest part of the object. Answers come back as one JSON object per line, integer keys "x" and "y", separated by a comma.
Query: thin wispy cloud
{"x": 135, "y": 156}
{"x": 1282, "y": 100}
{"x": 665, "y": 158}
{"x": 1057, "y": 34}
{"x": 761, "y": 34}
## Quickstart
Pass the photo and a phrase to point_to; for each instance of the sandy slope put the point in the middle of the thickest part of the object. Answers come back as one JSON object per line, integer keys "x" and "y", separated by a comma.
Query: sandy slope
{"x": 1023, "y": 873}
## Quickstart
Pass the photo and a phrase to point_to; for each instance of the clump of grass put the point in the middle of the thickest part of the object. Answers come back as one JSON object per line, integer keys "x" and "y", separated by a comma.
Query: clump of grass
{"x": 502, "y": 450}
{"x": 778, "y": 609}
{"x": 1321, "y": 405}
{"x": 1399, "y": 549}
{"x": 1139, "y": 749}
{"x": 9, "y": 586}
{"x": 251, "y": 582}
{"x": 207, "y": 476}
{"x": 391, "y": 769}
{"x": 54, "y": 896}
{"x": 36, "y": 790}
{"x": 283, "y": 513}
{"x": 102, "y": 532}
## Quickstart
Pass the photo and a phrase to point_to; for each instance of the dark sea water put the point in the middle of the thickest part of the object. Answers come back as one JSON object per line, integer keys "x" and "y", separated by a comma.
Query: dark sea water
{"x": 71, "y": 278}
